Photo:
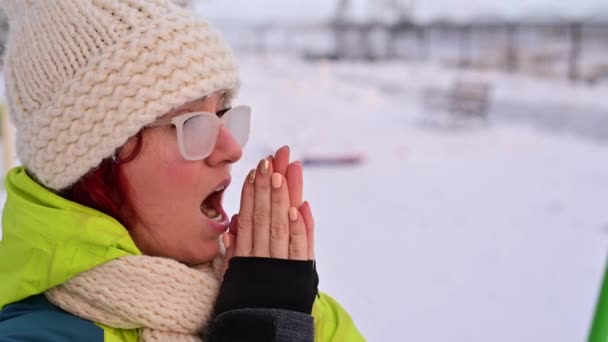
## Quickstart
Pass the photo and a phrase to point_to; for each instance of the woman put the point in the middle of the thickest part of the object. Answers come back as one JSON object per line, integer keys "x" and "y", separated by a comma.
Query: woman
{"x": 112, "y": 230}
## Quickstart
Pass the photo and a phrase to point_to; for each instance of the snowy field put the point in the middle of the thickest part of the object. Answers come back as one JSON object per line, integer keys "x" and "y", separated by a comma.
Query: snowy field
{"x": 496, "y": 232}
{"x": 490, "y": 234}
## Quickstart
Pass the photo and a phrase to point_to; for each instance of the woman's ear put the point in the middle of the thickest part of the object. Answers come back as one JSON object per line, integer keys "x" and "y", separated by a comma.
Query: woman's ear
{"x": 129, "y": 150}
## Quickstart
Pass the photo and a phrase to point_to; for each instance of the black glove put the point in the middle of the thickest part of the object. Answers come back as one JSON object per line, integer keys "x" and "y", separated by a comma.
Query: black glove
{"x": 252, "y": 282}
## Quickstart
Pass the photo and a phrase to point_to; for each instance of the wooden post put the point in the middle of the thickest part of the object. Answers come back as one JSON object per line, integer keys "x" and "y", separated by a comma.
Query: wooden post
{"x": 465, "y": 45}
{"x": 367, "y": 44}
{"x": 576, "y": 40}
{"x": 394, "y": 33}
{"x": 341, "y": 29}
{"x": 423, "y": 42}
{"x": 512, "y": 47}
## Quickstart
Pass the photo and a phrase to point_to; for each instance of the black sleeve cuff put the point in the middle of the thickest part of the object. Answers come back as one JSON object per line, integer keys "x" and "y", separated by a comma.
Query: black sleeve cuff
{"x": 268, "y": 283}
{"x": 263, "y": 325}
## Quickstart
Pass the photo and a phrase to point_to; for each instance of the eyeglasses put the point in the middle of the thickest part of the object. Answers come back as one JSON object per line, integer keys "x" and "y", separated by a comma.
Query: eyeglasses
{"x": 197, "y": 132}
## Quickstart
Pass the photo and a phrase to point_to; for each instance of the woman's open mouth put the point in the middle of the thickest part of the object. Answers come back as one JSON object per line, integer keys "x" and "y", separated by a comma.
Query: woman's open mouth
{"x": 212, "y": 208}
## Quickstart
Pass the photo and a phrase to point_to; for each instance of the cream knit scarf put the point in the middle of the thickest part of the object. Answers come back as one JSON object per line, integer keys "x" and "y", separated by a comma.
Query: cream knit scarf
{"x": 167, "y": 300}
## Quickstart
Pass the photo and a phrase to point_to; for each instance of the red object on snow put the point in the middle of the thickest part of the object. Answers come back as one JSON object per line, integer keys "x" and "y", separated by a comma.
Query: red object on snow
{"x": 336, "y": 160}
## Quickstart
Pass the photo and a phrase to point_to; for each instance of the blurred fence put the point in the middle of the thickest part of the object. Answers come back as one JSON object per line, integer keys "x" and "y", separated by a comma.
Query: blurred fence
{"x": 567, "y": 49}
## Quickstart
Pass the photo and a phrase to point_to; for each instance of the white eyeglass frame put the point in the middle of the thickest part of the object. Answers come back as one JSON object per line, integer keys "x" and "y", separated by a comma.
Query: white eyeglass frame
{"x": 180, "y": 120}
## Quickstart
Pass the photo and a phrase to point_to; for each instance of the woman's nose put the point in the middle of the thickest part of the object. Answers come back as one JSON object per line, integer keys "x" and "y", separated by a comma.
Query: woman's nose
{"x": 227, "y": 150}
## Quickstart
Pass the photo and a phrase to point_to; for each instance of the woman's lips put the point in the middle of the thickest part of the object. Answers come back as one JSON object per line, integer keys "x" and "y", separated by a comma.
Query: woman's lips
{"x": 221, "y": 226}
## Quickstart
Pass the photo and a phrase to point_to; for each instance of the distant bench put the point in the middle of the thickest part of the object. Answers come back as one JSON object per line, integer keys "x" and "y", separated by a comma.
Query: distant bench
{"x": 462, "y": 98}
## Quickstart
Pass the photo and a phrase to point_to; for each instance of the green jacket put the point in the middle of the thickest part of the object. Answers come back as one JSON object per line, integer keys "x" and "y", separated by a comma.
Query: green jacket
{"x": 599, "y": 326}
{"x": 47, "y": 240}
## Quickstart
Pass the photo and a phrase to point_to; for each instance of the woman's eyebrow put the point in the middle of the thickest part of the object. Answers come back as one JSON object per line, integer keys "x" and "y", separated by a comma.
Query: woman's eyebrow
{"x": 179, "y": 112}
{"x": 191, "y": 107}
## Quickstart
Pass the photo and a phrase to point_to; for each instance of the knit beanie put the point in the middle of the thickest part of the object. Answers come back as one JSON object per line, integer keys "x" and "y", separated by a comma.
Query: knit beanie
{"x": 83, "y": 76}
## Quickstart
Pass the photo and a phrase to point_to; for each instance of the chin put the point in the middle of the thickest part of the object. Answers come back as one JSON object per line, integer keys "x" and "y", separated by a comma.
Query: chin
{"x": 202, "y": 253}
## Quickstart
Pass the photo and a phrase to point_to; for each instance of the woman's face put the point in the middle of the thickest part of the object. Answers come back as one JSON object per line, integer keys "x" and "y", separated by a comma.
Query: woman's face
{"x": 167, "y": 191}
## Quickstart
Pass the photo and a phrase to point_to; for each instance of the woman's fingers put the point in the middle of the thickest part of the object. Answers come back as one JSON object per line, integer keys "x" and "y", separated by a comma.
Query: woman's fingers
{"x": 262, "y": 210}
{"x": 298, "y": 244}
{"x": 279, "y": 226}
{"x": 233, "y": 226}
{"x": 269, "y": 223}
{"x": 310, "y": 229}
{"x": 244, "y": 222}
{"x": 295, "y": 182}
{"x": 281, "y": 160}
{"x": 229, "y": 240}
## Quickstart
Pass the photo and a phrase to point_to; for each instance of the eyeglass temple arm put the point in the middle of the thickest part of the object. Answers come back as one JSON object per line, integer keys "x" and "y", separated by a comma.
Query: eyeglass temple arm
{"x": 162, "y": 122}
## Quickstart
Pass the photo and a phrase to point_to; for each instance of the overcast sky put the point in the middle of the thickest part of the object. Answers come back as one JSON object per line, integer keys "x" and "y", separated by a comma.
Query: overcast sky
{"x": 313, "y": 10}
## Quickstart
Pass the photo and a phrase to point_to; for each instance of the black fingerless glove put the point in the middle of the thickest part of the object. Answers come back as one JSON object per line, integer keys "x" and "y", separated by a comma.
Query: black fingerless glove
{"x": 252, "y": 282}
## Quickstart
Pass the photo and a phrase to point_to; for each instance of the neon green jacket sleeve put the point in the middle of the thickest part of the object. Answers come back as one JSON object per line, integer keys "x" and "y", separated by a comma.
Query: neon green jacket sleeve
{"x": 332, "y": 322}
{"x": 34, "y": 258}
{"x": 599, "y": 328}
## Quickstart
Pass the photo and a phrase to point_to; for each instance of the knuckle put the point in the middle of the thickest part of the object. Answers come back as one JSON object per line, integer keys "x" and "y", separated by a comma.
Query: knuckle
{"x": 277, "y": 198}
{"x": 244, "y": 222}
{"x": 260, "y": 216}
{"x": 279, "y": 230}
{"x": 297, "y": 231}
{"x": 297, "y": 249}
{"x": 262, "y": 183}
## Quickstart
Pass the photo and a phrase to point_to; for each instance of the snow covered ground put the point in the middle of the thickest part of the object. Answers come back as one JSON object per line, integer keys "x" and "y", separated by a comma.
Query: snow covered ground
{"x": 497, "y": 232}
{"x": 490, "y": 234}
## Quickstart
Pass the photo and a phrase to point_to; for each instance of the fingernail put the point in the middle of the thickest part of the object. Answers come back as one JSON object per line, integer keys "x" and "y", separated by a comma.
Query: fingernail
{"x": 263, "y": 166}
{"x": 293, "y": 214}
{"x": 286, "y": 146}
{"x": 277, "y": 180}
{"x": 227, "y": 241}
{"x": 305, "y": 205}
{"x": 251, "y": 176}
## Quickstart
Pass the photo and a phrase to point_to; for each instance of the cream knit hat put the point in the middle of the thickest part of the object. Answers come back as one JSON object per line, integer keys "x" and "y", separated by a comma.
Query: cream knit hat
{"x": 83, "y": 76}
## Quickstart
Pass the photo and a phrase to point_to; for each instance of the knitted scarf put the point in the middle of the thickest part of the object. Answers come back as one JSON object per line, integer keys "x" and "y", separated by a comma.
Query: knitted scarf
{"x": 167, "y": 300}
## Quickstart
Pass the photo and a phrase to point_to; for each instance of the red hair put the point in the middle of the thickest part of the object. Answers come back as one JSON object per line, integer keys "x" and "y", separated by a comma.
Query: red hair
{"x": 106, "y": 188}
